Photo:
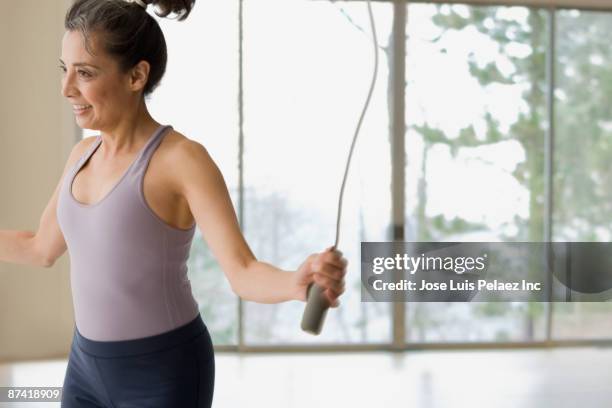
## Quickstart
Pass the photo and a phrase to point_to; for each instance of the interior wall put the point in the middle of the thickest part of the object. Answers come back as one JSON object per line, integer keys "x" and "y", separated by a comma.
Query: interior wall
{"x": 37, "y": 132}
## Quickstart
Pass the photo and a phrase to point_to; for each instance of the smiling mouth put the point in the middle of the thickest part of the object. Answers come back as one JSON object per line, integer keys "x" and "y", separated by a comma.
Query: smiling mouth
{"x": 81, "y": 109}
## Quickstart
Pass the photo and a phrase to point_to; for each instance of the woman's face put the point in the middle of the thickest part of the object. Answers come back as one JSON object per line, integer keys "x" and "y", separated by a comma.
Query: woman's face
{"x": 94, "y": 81}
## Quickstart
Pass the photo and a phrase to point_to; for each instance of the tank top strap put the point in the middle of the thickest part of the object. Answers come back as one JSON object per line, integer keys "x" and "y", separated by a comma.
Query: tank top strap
{"x": 145, "y": 155}
{"x": 90, "y": 150}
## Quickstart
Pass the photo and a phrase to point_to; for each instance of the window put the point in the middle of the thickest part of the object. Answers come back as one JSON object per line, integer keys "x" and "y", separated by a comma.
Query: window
{"x": 475, "y": 100}
{"x": 583, "y": 195}
{"x": 307, "y": 73}
{"x": 477, "y": 127}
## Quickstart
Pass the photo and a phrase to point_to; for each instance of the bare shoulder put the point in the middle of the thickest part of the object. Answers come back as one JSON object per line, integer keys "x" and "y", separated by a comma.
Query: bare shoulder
{"x": 185, "y": 152}
{"x": 79, "y": 149}
{"x": 82, "y": 145}
{"x": 189, "y": 160}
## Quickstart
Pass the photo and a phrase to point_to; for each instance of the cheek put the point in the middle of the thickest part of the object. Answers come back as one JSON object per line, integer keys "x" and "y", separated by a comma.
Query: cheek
{"x": 106, "y": 96}
{"x": 96, "y": 97}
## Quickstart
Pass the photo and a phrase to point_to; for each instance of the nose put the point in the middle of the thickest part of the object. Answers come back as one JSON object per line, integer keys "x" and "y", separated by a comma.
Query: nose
{"x": 68, "y": 88}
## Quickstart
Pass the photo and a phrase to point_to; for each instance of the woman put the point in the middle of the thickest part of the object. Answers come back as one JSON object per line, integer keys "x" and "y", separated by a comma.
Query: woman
{"x": 126, "y": 209}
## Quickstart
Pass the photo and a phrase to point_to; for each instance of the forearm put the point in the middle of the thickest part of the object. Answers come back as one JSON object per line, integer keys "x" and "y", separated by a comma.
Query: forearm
{"x": 17, "y": 247}
{"x": 265, "y": 283}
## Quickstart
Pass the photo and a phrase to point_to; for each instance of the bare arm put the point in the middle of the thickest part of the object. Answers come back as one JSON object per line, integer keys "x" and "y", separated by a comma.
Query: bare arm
{"x": 206, "y": 192}
{"x": 47, "y": 244}
{"x": 203, "y": 185}
{"x": 16, "y": 247}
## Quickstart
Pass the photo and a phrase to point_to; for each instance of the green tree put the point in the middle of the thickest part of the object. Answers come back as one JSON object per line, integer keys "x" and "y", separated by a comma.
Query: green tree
{"x": 581, "y": 196}
{"x": 529, "y": 129}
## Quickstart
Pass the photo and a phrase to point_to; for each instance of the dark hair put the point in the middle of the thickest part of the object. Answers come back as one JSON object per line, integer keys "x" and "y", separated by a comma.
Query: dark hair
{"x": 127, "y": 32}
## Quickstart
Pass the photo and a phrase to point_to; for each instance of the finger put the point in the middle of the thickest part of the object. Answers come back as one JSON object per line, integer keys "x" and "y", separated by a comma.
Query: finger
{"x": 334, "y": 273}
{"x": 322, "y": 265}
{"x": 332, "y": 299}
{"x": 332, "y": 250}
{"x": 330, "y": 271}
{"x": 324, "y": 282}
{"x": 342, "y": 271}
{"x": 329, "y": 284}
{"x": 333, "y": 259}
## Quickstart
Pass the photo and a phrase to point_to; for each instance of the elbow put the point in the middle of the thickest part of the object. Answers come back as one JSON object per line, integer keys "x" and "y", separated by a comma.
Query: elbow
{"x": 38, "y": 255}
{"x": 46, "y": 260}
{"x": 235, "y": 287}
{"x": 237, "y": 281}
{"x": 239, "y": 276}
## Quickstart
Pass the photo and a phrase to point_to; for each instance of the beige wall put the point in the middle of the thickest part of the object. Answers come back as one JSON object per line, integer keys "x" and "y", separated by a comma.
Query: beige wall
{"x": 37, "y": 130}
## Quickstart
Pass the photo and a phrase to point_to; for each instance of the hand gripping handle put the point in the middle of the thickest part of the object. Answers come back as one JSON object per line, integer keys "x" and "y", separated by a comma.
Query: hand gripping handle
{"x": 315, "y": 310}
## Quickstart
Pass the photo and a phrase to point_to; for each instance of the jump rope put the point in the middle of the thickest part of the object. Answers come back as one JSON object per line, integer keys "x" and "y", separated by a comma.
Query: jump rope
{"x": 316, "y": 303}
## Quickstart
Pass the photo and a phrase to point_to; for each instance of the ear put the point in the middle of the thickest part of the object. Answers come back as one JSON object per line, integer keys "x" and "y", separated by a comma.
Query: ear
{"x": 139, "y": 75}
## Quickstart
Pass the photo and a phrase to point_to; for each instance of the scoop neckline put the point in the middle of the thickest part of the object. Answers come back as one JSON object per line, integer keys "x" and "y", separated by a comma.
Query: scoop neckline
{"x": 88, "y": 157}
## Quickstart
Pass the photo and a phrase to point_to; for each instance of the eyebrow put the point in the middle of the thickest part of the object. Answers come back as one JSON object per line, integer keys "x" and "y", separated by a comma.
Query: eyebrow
{"x": 80, "y": 64}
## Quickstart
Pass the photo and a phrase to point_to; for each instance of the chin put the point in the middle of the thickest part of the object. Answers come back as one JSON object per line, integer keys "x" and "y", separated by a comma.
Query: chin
{"x": 82, "y": 123}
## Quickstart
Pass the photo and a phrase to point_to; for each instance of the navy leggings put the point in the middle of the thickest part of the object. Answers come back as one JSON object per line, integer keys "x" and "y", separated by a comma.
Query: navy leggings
{"x": 172, "y": 369}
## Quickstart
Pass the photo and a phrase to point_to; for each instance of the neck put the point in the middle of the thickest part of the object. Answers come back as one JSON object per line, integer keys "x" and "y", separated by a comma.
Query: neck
{"x": 129, "y": 134}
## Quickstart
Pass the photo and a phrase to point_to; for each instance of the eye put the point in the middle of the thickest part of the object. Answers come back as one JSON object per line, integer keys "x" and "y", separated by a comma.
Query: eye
{"x": 62, "y": 68}
{"x": 85, "y": 74}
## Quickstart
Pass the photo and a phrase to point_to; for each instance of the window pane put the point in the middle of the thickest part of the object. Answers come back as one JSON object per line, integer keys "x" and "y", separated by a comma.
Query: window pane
{"x": 202, "y": 79}
{"x": 475, "y": 112}
{"x": 583, "y": 196}
{"x": 307, "y": 73}
{"x": 198, "y": 97}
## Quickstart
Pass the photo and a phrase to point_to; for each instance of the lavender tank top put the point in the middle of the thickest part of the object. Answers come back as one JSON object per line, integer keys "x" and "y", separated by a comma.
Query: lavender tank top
{"x": 128, "y": 267}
